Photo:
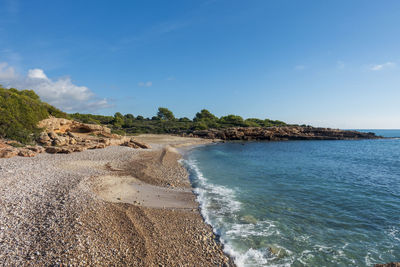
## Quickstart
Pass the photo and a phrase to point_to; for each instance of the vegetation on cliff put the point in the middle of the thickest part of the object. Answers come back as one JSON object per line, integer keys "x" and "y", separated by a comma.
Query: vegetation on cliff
{"x": 166, "y": 122}
{"x": 20, "y": 112}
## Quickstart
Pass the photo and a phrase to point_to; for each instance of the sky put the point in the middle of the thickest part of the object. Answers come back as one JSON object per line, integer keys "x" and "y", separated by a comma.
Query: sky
{"x": 324, "y": 63}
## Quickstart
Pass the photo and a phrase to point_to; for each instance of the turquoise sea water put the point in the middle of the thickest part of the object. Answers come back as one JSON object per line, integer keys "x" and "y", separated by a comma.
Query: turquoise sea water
{"x": 302, "y": 203}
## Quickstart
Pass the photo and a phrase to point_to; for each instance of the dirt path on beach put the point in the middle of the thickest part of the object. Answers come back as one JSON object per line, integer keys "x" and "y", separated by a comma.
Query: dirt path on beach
{"x": 115, "y": 206}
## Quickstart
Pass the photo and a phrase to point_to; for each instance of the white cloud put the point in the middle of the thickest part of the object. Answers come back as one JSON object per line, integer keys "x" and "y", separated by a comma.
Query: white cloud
{"x": 6, "y": 72}
{"x": 37, "y": 74}
{"x": 145, "y": 84}
{"x": 62, "y": 93}
{"x": 377, "y": 67}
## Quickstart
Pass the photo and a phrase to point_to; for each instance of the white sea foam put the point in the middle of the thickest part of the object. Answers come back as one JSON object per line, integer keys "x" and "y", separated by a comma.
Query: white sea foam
{"x": 394, "y": 233}
{"x": 218, "y": 202}
{"x": 261, "y": 228}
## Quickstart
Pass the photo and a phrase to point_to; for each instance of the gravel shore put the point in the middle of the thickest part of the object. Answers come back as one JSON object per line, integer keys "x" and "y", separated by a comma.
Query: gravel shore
{"x": 51, "y": 212}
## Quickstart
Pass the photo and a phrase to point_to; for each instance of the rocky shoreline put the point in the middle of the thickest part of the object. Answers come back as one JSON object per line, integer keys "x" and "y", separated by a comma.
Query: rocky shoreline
{"x": 283, "y": 133}
{"x": 62, "y": 136}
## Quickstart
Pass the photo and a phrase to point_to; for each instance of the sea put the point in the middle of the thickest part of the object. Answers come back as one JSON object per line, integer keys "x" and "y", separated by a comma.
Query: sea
{"x": 302, "y": 203}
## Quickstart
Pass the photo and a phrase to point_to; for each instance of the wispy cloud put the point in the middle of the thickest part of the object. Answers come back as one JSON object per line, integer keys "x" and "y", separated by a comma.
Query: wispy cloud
{"x": 145, "y": 84}
{"x": 171, "y": 78}
{"x": 377, "y": 67}
{"x": 6, "y": 72}
{"x": 62, "y": 92}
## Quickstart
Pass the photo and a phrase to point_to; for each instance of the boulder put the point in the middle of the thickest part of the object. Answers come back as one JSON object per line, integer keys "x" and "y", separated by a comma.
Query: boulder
{"x": 61, "y": 141}
{"x": 105, "y": 141}
{"x": 139, "y": 144}
{"x": 71, "y": 134}
{"x": 26, "y": 153}
{"x": 72, "y": 141}
{"x": 130, "y": 144}
{"x": 44, "y": 138}
{"x": 37, "y": 149}
{"x": 8, "y": 152}
{"x": 52, "y": 135}
{"x": 58, "y": 150}
{"x": 78, "y": 148}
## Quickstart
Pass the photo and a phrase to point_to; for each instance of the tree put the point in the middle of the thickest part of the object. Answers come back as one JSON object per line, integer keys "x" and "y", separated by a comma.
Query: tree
{"x": 204, "y": 115}
{"x": 118, "y": 120}
{"x": 165, "y": 114}
{"x": 128, "y": 121}
{"x": 184, "y": 119}
{"x": 129, "y": 116}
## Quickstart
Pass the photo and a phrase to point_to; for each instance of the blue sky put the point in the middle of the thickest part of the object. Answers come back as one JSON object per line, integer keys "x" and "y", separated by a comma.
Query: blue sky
{"x": 324, "y": 63}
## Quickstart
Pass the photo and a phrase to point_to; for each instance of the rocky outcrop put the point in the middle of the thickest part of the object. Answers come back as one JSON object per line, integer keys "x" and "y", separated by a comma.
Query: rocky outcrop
{"x": 281, "y": 133}
{"x": 8, "y": 152}
{"x": 62, "y": 136}
{"x": 65, "y": 143}
{"x": 59, "y": 125}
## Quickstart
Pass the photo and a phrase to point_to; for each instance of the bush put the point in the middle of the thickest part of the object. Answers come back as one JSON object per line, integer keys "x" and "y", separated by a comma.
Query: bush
{"x": 20, "y": 112}
{"x": 231, "y": 121}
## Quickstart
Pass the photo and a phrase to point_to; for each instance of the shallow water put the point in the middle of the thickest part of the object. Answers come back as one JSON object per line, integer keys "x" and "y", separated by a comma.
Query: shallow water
{"x": 302, "y": 203}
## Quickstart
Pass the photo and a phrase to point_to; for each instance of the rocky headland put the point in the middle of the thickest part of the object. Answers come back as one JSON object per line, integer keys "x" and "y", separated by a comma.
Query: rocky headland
{"x": 281, "y": 134}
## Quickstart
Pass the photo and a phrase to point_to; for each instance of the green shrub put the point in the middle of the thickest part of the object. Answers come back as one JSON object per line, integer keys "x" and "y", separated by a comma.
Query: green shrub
{"x": 20, "y": 112}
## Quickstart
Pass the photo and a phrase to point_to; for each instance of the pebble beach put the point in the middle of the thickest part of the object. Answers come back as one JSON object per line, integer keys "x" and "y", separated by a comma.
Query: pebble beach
{"x": 114, "y": 206}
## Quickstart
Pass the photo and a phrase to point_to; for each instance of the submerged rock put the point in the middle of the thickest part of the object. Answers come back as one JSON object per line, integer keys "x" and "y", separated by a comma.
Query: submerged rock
{"x": 277, "y": 252}
{"x": 249, "y": 219}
